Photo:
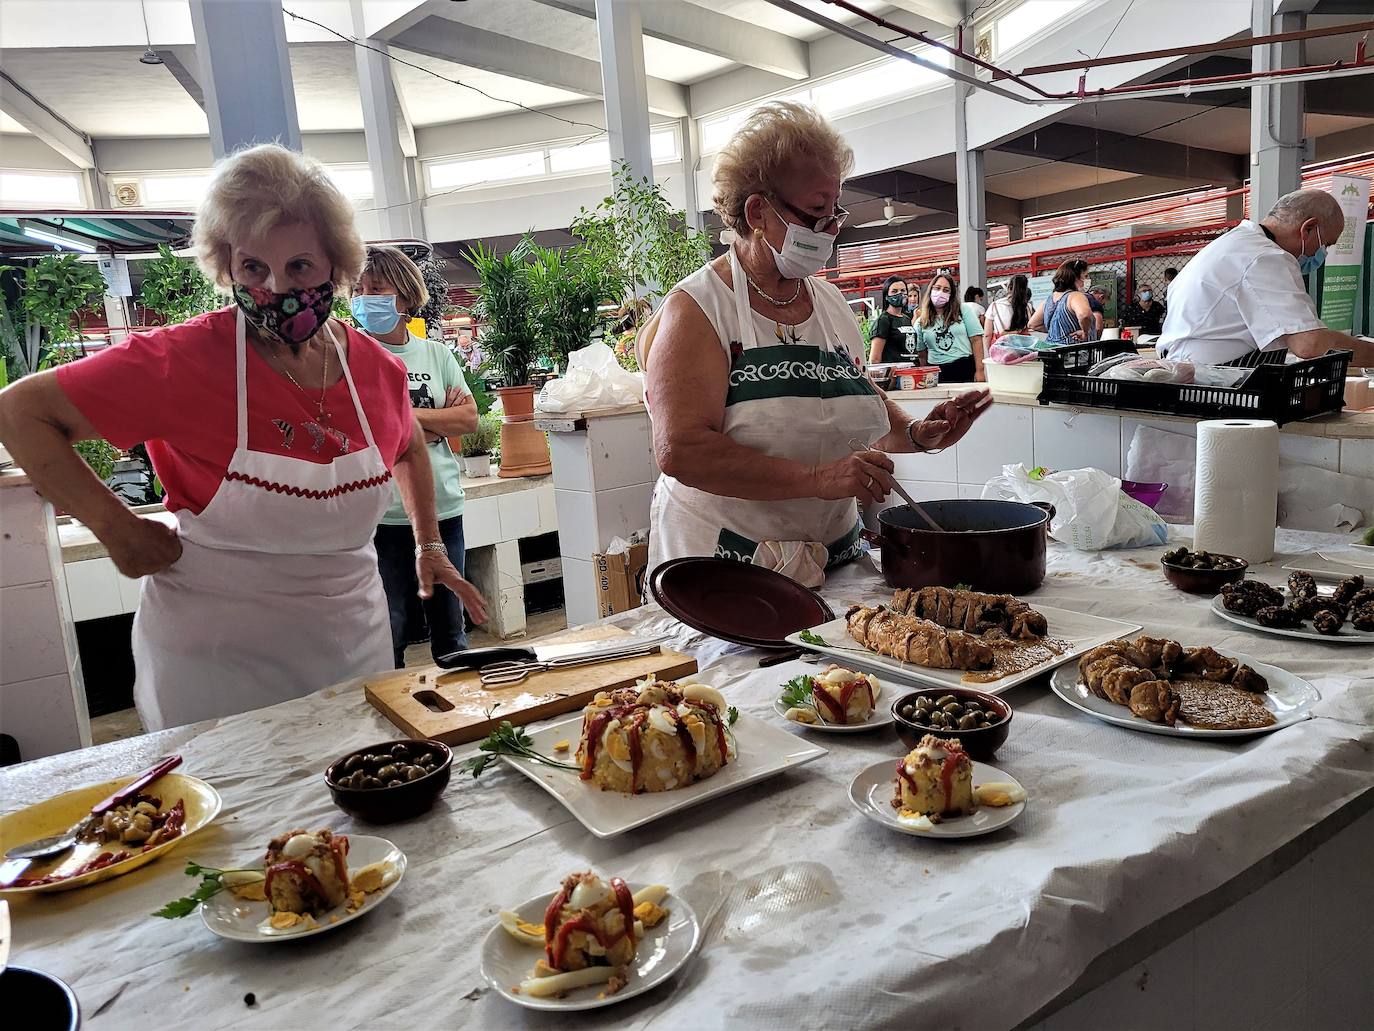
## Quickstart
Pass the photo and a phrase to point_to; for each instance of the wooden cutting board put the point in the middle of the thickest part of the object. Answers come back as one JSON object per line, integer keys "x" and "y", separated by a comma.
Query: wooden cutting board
{"x": 454, "y": 707}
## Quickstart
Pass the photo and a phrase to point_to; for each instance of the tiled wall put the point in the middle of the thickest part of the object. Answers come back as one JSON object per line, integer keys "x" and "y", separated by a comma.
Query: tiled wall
{"x": 42, "y": 695}
{"x": 603, "y": 480}
{"x": 1006, "y": 434}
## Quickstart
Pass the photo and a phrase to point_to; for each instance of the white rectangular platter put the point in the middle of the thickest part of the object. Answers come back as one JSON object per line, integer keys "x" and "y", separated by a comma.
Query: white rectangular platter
{"x": 1082, "y": 631}
{"x": 762, "y": 750}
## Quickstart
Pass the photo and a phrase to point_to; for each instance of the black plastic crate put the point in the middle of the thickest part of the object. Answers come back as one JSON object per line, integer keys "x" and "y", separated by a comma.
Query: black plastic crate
{"x": 1277, "y": 391}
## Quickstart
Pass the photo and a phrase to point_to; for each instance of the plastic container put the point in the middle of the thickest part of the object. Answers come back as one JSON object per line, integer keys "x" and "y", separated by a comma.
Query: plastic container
{"x": 915, "y": 377}
{"x": 1277, "y": 391}
{"x": 1147, "y": 494}
{"x": 1024, "y": 378}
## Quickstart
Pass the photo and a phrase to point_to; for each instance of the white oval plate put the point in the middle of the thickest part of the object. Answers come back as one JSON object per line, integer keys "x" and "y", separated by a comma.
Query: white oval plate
{"x": 879, "y": 717}
{"x": 662, "y": 952}
{"x": 238, "y": 919}
{"x": 1289, "y": 698}
{"x": 1346, "y": 635}
{"x": 871, "y": 793}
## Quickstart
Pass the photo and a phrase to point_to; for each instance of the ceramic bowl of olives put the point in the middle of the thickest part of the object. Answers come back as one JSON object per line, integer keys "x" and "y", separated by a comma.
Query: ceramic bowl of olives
{"x": 979, "y": 720}
{"x": 394, "y": 780}
{"x": 1202, "y": 572}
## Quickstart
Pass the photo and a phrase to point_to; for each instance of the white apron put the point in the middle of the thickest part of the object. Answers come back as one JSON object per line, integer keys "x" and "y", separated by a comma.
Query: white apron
{"x": 276, "y": 593}
{"x": 803, "y": 402}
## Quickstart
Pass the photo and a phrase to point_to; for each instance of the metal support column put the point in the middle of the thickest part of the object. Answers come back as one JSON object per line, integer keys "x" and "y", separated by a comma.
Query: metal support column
{"x": 246, "y": 72}
{"x": 397, "y": 207}
{"x": 1276, "y": 112}
{"x": 1235, "y": 207}
{"x": 691, "y": 150}
{"x": 971, "y": 198}
{"x": 626, "y": 91}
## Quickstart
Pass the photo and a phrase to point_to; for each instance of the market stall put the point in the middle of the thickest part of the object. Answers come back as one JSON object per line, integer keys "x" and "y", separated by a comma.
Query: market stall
{"x": 810, "y": 914}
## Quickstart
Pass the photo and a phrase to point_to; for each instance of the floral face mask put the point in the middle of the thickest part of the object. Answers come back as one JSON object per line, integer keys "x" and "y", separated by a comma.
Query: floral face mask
{"x": 289, "y": 318}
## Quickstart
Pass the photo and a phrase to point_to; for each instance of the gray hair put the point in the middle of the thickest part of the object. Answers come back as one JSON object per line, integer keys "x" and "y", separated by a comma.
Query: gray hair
{"x": 1297, "y": 207}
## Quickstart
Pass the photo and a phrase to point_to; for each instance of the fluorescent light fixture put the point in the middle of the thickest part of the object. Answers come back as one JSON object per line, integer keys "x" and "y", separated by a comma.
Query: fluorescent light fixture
{"x": 59, "y": 241}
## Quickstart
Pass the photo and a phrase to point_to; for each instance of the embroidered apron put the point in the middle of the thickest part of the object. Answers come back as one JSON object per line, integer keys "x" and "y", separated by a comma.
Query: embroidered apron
{"x": 276, "y": 593}
{"x": 802, "y": 402}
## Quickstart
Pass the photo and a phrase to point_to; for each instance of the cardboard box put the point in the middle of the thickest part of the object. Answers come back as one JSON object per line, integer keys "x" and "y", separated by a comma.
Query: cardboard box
{"x": 620, "y": 580}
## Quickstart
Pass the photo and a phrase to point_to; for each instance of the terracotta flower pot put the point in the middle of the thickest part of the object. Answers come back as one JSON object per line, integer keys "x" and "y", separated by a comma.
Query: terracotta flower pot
{"x": 517, "y": 401}
{"x": 524, "y": 448}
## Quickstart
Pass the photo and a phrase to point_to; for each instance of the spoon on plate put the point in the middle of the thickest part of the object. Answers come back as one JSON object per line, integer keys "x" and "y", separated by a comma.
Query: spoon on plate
{"x": 51, "y": 846}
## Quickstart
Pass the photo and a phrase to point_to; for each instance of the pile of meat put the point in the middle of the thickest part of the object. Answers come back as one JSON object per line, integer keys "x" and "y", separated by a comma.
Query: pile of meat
{"x": 1327, "y": 613}
{"x": 913, "y": 639}
{"x": 972, "y": 611}
{"x": 1161, "y": 681}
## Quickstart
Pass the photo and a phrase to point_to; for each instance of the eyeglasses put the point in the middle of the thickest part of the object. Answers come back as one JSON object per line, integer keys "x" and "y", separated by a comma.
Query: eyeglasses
{"x": 819, "y": 225}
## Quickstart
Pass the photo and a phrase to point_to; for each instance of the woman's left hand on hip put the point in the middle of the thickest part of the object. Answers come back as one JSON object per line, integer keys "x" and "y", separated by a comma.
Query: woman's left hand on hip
{"x": 948, "y": 421}
{"x": 434, "y": 567}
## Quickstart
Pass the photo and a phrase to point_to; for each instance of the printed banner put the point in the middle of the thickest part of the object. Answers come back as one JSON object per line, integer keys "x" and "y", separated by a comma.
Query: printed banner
{"x": 1341, "y": 273}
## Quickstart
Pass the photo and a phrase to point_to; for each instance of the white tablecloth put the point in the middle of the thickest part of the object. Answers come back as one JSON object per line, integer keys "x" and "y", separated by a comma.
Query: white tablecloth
{"x": 814, "y": 917}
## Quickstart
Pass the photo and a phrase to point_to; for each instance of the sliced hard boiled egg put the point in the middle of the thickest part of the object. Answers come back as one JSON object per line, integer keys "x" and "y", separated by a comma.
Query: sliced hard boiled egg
{"x": 705, "y": 693}
{"x": 524, "y": 933}
{"x": 999, "y": 794}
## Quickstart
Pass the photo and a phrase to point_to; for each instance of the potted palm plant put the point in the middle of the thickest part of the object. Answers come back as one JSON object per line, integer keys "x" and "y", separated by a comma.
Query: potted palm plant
{"x": 566, "y": 289}
{"x": 476, "y": 447}
{"x": 510, "y": 337}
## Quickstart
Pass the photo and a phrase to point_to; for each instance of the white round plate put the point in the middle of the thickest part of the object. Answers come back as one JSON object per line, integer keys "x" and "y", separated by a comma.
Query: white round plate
{"x": 1346, "y": 635}
{"x": 662, "y": 952}
{"x": 871, "y": 793}
{"x": 1289, "y": 698}
{"x": 879, "y": 717}
{"x": 232, "y": 917}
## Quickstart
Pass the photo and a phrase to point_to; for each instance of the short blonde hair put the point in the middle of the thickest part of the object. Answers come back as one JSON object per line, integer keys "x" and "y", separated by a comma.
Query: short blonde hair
{"x": 773, "y": 137}
{"x": 259, "y": 188}
{"x": 392, "y": 265}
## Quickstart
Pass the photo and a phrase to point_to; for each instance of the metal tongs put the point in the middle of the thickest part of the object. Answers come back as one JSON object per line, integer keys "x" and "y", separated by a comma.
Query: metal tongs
{"x": 515, "y": 671}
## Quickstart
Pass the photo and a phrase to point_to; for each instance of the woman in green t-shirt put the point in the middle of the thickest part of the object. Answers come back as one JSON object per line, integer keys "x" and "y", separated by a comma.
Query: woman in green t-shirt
{"x": 887, "y": 342}
{"x": 950, "y": 333}
{"x": 389, "y": 293}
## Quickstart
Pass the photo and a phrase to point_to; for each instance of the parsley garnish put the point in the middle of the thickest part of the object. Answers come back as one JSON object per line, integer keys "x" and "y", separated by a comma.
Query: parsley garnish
{"x": 797, "y": 693}
{"x": 211, "y": 884}
{"x": 508, "y": 739}
{"x": 731, "y": 714}
{"x": 961, "y": 587}
{"x": 807, "y": 637}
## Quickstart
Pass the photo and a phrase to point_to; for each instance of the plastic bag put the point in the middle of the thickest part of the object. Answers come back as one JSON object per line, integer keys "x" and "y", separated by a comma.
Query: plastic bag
{"x": 1091, "y": 512}
{"x": 594, "y": 380}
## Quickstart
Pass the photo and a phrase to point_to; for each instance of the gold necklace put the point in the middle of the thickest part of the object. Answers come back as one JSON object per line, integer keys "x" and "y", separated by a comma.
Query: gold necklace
{"x": 324, "y": 381}
{"x": 774, "y": 302}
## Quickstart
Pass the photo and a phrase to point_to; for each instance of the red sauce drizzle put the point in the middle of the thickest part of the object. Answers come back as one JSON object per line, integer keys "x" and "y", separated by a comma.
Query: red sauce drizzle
{"x": 947, "y": 769}
{"x": 720, "y": 733}
{"x": 839, "y": 711}
{"x": 902, "y": 773}
{"x": 636, "y": 751}
{"x": 627, "y": 906}
{"x": 584, "y": 922}
{"x": 551, "y": 923}
{"x": 684, "y": 735}
{"x": 299, "y": 869}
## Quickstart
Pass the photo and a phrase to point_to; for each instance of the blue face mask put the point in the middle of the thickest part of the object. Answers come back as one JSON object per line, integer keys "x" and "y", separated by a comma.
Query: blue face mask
{"x": 376, "y": 313}
{"x": 1309, "y": 263}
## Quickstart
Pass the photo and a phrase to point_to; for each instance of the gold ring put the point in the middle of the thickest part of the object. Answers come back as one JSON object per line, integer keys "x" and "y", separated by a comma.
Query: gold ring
{"x": 869, "y": 484}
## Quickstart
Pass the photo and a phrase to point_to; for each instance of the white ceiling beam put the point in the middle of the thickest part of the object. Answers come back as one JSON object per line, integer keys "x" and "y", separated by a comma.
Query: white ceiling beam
{"x": 945, "y": 12}
{"x": 45, "y": 123}
{"x": 405, "y": 125}
{"x": 492, "y": 52}
{"x": 701, "y": 29}
{"x": 181, "y": 62}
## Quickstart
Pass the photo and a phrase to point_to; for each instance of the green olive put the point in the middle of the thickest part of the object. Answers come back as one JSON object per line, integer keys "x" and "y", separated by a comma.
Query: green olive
{"x": 395, "y": 782}
{"x": 352, "y": 763}
{"x": 388, "y": 772}
{"x": 400, "y": 750}
{"x": 414, "y": 773}
{"x": 371, "y": 782}
{"x": 944, "y": 700}
{"x": 952, "y": 708}
{"x": 968, "y": 721}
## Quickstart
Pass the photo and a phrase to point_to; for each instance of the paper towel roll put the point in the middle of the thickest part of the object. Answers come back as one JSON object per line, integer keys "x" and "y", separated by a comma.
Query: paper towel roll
{"x": 1235, "y": 501}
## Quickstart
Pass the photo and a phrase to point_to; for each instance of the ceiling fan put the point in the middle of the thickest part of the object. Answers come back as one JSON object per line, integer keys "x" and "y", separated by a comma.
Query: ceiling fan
{"x": 890, "y": 217}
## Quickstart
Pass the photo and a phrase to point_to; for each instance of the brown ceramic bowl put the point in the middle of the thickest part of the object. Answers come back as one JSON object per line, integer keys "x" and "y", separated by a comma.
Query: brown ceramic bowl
{"x": 1204, "y": 581}
{"x": 979, "y": 744}
{"x": 389, "y": 804}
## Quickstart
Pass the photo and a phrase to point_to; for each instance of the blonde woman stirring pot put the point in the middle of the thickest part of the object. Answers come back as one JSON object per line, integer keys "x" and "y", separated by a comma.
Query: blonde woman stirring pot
{"x": 755, "y": 380}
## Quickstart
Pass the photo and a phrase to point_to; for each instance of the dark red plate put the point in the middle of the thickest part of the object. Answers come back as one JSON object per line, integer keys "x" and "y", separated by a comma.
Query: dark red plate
{"x": 737, "y": 601}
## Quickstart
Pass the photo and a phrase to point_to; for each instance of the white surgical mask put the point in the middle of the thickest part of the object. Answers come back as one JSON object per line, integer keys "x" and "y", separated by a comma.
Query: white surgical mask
{"x": 804, "y": 251}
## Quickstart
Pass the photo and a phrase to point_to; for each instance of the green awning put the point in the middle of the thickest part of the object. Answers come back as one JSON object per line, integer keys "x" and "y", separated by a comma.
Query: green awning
{"x": 96, "y": 229}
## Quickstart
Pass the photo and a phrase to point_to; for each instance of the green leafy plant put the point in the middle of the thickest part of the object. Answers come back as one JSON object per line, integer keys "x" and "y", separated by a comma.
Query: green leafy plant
{"x": 507, "y": 739}
{"x": 175, "y": 288}
{"x": 212, "y": 882}
{"x": 566, "y": 289}
{"x": 484, "y": 439}
{"x": 640, "y": 239}
{"x": 510, "y": 335}
{"x": 477, "y": 387}
{"x": 807, "y": 637}
{"x": 797, "y": 693}
{"x": 432, "y": 270}
{"x": 55, "y": 290}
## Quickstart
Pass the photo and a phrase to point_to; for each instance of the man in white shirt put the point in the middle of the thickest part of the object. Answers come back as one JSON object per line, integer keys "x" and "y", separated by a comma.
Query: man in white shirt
{"x": 1244, "y": 290}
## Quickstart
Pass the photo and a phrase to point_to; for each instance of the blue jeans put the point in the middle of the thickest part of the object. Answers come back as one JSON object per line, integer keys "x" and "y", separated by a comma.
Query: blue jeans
{"x": 443, "y": 612}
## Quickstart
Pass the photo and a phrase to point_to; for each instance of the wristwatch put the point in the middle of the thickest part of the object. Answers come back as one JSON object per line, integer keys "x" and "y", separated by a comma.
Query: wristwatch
{"x": 438, "y": 546}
